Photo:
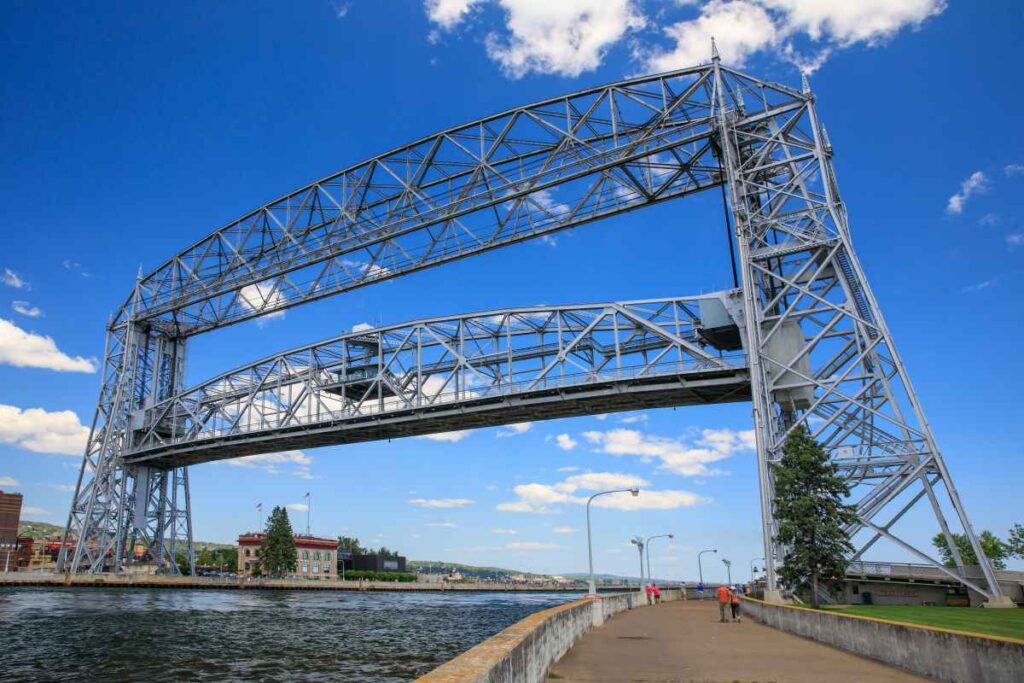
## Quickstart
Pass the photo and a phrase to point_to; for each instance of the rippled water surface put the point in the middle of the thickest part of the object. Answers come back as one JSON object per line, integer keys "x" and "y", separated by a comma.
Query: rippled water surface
{"x": 173, "y": 635}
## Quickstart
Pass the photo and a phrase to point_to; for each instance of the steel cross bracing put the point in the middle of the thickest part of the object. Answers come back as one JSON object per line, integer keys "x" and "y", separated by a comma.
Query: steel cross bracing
{"x": 818, "y": 353}
{"x": 453, "y": 373}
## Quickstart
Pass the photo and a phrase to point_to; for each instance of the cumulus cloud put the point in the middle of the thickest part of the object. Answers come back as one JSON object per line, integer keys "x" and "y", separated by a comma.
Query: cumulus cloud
{"x": 12, "y": 279}
{"x": 441, "y": 525}
{"x": 8, "y": 481}
{"x": 504, "y": 532}
{"x": 515, "y": 429}
{"x": 32, "y": 510}
{"x": 440, "y": 503}
{"x": 272, "y": 463}
{"x": 675, "y": 455}
{"x": 531, "y": 545}
{"x": 976, "y": 183}
{"x": 30, "y": 350}
{"x": 448, "y": 437}
{"x": 566, "y": 442}
{"x": 564, "y": 529}
{"x": 570, "y": 38}
{"x": 362, "y": 327}
{"x": 1013, "y": 169}
{"x": 297, "y": 507}
{"x": 564, "y": 38}
{"x": 262, "y": 296}
{"x": 633, "y": 419}
{"x": 40, "y": 431}
{"x": 569, "y": 469}
{"x": 575, "y": 490}
{"x": 1015, "y": 239}
{"x": 27, "y": 309}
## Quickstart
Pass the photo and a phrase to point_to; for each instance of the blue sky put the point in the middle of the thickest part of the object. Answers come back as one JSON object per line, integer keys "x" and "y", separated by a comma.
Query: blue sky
{"x": 128, "y": 131}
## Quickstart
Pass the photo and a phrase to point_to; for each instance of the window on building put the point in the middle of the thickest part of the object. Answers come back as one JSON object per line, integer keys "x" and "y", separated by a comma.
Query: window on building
{"x": 316, "y": 554}
{"x": 248, "y": 553}
{"x": 305, "y": 567}
{"x": 305, "y": 554}
{"x": 316, "y": 567}
{"x": 327, "y": 556}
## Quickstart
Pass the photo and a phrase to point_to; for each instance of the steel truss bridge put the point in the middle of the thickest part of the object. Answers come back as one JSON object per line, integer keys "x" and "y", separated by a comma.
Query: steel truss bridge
{"x": 802, "y": 337}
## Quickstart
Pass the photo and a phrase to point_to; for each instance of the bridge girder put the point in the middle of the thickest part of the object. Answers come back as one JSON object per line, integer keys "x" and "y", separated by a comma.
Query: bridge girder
{"x": 818, "y": 354}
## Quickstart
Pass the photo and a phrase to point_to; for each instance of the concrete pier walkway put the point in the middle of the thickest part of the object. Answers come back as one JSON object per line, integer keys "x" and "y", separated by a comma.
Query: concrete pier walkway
{"x": 684, "y": 641}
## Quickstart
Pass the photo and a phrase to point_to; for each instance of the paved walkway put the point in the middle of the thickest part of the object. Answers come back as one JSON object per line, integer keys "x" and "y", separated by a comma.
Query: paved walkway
{"x": 684, "y": 641}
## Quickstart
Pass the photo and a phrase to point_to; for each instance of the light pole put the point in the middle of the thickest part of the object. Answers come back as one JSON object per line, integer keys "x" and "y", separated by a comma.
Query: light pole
{"x": 753, "y": 569}
{"x": 639, "y": 543}
{"x": 590, "y": 547}
{"x": 647, "y": 543}
{"x": 728, "y": 568}
{"x": 700, "y": 568}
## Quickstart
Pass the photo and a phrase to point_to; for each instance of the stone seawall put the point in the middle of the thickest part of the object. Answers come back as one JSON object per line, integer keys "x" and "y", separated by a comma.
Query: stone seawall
{"x": 942, "y": 654}
{"x": 525, "y": 651}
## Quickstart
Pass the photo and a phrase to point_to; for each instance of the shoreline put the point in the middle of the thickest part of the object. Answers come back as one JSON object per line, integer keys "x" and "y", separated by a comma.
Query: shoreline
{"x": 209, "y": 583}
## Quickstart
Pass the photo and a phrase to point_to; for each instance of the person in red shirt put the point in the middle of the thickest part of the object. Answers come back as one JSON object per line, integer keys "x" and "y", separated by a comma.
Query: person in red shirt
{"x": 657, "y": 594}
{"x": 649, "y": 591}
{"x": 724, "y": 598}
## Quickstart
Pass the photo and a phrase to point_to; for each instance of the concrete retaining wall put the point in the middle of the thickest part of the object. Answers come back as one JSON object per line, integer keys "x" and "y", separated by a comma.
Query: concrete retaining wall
{"x": 525, "y": 651}
{"x": 942, "y": 654}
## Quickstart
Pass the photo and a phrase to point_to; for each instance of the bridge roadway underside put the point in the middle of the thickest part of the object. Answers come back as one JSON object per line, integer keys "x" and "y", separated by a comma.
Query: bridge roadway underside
{"x": 663, "y": 391}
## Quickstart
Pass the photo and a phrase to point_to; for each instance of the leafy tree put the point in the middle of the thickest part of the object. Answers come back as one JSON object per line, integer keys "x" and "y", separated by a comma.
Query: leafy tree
{"x": 811, "y": 515}
{"x": 1015, "y": 544}
{"x": 383, "y": 551}
{"x": 351, "y": 544}
{"x": 994, "y": 547}
{"x": 277, "y": 555}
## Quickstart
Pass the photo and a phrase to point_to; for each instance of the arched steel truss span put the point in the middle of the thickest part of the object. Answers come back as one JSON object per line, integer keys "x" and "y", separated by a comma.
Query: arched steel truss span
{"x": 803, "y": 337}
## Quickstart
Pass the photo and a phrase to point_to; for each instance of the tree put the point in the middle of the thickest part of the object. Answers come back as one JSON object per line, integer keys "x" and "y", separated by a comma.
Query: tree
{"x": 351, "y": 544}
{"x": 995, "y": 548}
{"x": 277, "y": 555}
{"x": 1015, "y": 543}
{"x": 811, "y": 514}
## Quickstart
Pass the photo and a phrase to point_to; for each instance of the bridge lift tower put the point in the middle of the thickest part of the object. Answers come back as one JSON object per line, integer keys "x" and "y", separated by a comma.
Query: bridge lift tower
{"x": 802, "y": 337}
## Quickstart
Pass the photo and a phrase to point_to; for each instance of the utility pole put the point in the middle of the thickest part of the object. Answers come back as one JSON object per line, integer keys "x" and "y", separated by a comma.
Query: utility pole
{"x": 592, "y": 591}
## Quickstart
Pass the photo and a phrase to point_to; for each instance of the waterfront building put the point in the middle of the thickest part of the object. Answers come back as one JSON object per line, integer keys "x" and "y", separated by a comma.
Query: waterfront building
{"x": 10, "y": 516}
{"x": 315, "y": 558}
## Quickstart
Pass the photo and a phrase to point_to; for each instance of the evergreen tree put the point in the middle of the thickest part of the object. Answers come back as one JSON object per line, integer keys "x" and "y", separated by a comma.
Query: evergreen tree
{"x": 277, "y": 555}
{"x": 811, "y": 514}
{"x": 1015, "y": 544}
{"x": 994, "y": 547}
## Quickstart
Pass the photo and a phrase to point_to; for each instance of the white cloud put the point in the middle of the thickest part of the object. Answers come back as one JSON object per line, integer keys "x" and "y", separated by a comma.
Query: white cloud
{"x": 675, "y": 455}
{"x": 544, "y": 498}
{"x": 633, "y": 419}
{"x": 271, "y": 463}
{"x": 31, "y": 510}
{"x": 441, "y": 525}
{"x": 440, "y": 503}
{"x": 362, "y": 327}
{"x": 261, "y": 296}
{"x": 25, "y": 308}
{"x": 564, "y": 38}
{"x": 1013, "y": 169}
{"x": 1015, "y": 239}
{"x": 448, "y": 13}
{"x": 8, "y": 481}
{"x": 29, "y": 350}
{"x": 568, "y": 469}
{"x": 63, "y": 488}
{"x": 12, "y": 279}
{"x": 297, "y": 507}
{"x": 504, "y": 532}
{"x": 989, "y": 219}
{"x": 976, "y": 183}
{"x": 515, "y": 429}
{"x": 564, "y": 530}
{"x": 448, "y": 437}
{"x": 846, "y": 23}
{"x": 984, "y": 284}
{"x": 37, "y": 430}
{"x": 531, "y": 545}
{"x": 566, "y": 442}
{"x": 739, "y": 28}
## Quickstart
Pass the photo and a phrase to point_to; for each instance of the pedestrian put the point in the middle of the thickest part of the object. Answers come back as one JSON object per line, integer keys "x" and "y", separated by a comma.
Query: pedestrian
{"x": 649, "y": 591}
{"x": 735, "y": 603}
{"x": 724, "y": 598}
{"x": 657, "y": 594}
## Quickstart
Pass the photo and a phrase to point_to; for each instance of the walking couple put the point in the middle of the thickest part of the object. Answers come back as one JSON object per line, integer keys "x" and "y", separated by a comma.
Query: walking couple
{"x": 729, "y": 598}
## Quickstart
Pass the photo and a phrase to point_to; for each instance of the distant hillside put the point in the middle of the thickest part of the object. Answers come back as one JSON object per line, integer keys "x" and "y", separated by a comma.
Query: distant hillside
{"x": 439, "y": 567}
{"x": 45, "y": 530}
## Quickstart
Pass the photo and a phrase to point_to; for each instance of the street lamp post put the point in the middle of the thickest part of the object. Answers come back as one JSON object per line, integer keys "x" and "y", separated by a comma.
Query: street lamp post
{"x": 639, "y": 543}
{"x": 700, "y": 568}
{"x": 728, "y": 568}
{"x": 753, "y": 569}
{"x": 647, "y": 543}
{"x": 590, "y": 548}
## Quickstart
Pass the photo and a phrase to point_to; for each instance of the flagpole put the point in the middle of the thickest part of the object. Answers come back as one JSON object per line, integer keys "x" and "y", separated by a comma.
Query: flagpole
{"x": 309, "y": 502}
{"x": 259, "y": 508}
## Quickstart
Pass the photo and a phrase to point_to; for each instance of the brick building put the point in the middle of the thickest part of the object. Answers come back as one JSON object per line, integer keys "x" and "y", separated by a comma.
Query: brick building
{"x": 315, "y": 558}
{"x": 10, "y": 515}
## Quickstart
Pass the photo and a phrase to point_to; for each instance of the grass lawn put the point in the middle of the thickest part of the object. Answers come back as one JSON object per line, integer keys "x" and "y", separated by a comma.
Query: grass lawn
{"x": 1008, "y": 623}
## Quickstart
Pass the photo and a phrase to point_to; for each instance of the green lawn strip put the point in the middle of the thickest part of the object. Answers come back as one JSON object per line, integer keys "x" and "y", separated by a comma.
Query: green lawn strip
{"x": 1008, "y": 623}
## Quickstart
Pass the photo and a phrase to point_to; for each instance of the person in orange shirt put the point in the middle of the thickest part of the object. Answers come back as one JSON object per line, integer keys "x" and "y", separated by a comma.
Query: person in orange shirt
{"x": 724, "y": 598}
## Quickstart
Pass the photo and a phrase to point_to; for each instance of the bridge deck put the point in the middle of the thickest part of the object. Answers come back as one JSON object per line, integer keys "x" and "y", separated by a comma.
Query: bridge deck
{"x": 692, "y": 388}
{"x": 684, "y": 641}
